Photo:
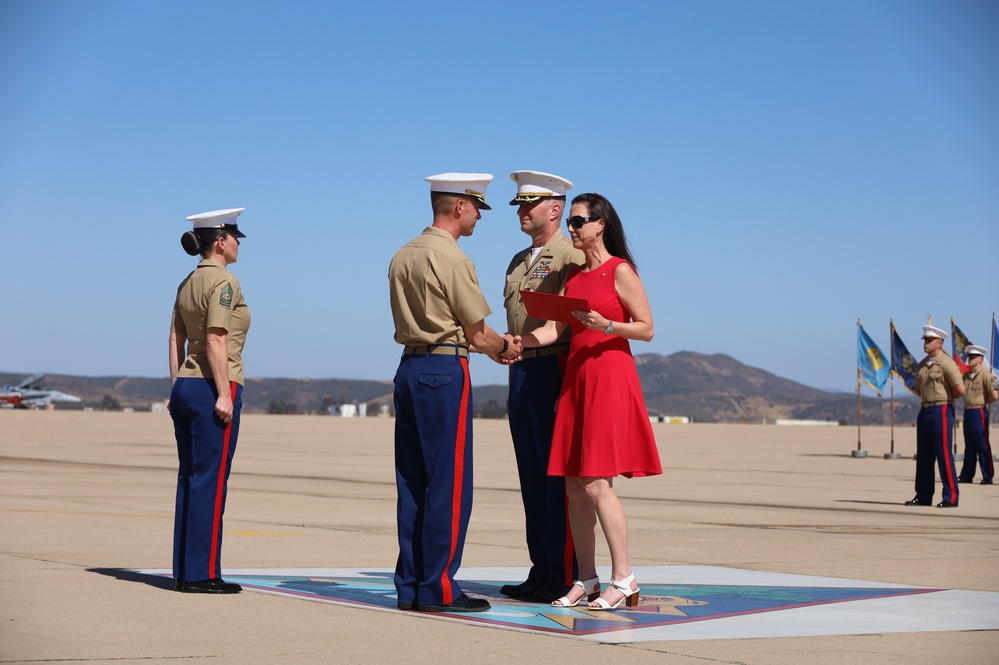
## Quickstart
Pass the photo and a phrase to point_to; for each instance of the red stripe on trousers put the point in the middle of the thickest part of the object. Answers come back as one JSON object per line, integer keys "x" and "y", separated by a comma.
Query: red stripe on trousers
{"x": 459, "y": 477}
{"x": 213, "y": 560}
{"x": 988, "y": 446}
{"x": 948, "y": 456}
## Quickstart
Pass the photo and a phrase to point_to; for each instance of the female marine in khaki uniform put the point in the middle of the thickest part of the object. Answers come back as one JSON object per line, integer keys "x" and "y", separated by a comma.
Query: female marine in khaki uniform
{"x": 210, "y": 319}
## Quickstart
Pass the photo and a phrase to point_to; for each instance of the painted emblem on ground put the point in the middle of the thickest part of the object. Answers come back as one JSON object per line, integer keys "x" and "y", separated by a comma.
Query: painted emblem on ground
{"x": 658, "y": 605}
{"x": 707, "y": 603}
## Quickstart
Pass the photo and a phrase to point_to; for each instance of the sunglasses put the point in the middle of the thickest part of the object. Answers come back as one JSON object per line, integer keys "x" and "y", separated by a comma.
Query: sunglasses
{"x": 578, "y": 221}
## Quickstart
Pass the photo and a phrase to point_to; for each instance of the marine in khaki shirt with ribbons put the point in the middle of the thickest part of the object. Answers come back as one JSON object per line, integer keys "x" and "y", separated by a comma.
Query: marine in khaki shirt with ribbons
{"x": 535, "y": 382}
{"x": 938, "y": 384}
{"x": 979, "y": 391}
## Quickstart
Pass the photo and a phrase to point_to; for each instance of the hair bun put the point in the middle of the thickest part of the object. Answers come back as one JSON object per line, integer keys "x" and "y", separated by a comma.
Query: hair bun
{"x": 191, "y": 243}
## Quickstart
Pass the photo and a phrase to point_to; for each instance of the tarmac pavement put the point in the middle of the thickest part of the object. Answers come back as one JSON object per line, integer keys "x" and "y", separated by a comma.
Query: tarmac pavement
{"x": 86, "y": 498}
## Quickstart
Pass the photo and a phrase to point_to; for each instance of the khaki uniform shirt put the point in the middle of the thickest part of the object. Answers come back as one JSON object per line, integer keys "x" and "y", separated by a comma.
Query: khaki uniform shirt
{"x": 545, "y": 274}
{"x": 434, "y": 291}
{"x": 935, "y": 379}
{"x": 210, "y": 297}
{"x": 978, "y": 386}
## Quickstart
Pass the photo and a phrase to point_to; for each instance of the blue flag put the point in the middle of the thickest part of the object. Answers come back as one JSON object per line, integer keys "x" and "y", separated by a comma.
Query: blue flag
{"x": 902, "y": 362}
{"x": 995, "y": 342}
{"x": 873, "y": 364}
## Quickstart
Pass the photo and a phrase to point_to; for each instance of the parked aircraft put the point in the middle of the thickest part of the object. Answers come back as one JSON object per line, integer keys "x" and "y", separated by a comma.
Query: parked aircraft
{"x": 25, "y": 397}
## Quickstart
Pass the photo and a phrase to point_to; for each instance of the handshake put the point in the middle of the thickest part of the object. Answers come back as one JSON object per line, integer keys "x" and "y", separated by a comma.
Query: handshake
{"x": 514, "y": 347}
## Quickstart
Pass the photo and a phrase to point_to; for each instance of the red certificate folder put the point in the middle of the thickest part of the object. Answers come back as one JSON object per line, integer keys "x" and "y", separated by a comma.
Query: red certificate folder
{"x": 549, "y": 307}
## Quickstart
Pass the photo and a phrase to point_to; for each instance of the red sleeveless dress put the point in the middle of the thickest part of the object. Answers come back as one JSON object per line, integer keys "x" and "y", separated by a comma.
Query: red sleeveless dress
{"x": 602, "y": 427}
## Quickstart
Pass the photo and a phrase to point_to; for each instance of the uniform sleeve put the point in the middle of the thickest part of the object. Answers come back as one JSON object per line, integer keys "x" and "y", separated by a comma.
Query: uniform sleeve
{"x": 220, "y": 302}
{"x": 177, "y": 322}
{"x": 464, "y": 295}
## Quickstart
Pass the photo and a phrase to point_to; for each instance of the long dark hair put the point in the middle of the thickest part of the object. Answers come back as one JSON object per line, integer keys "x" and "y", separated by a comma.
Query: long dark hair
{"x": 199, "y": 241}
{"x": 614, "y": 238}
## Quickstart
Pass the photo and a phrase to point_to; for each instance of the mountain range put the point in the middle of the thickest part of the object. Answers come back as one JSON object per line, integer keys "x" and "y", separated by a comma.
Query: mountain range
{"x": 704, "y": 388}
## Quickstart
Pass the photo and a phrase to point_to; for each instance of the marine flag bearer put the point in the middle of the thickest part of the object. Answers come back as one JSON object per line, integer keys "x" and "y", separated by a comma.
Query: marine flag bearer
{"x": 979, "y": 391}
{"x": 938, "y": 384}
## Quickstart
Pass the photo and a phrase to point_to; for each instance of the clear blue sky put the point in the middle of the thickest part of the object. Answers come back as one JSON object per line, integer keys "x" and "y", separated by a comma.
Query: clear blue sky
{"x": 782, "y": 168}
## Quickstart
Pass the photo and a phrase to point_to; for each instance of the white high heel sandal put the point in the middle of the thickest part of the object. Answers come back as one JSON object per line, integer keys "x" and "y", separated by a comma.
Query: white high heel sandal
{"x": 624, "y": 586}
{"x": 591, "y": 590}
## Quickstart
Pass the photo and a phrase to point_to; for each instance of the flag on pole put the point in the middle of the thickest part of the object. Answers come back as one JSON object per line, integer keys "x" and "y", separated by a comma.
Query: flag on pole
{"x": 873, "y": 364}
{"x": 902, "y": 362}
{"x": 959, "y": 343}
{"x": 995, "y": 342}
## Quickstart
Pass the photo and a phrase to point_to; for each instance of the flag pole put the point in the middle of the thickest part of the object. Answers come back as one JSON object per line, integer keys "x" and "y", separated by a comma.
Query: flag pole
{"x": 860, "y": 379}
{"x": 992, "y": 342}
{"x": 855, "y": 452}
{"x": 893, "y": 413}
{"x": 992, "y": 357}
{"x": 953, "y": 421}
{"x": 892, "y": 454}
{"x": 892, "y": 324}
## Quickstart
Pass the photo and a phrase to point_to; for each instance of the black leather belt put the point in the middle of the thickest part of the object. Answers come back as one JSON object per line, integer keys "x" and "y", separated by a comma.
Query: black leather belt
{"x": 543, "y": 351}
{"x": 437, "y": 350}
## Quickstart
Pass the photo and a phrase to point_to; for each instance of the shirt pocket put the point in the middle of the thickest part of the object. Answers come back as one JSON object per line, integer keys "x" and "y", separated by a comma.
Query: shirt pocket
{"x": 975, "y": 392}
{"x": 935, "y": 386}
{"x": 511, "y": 292}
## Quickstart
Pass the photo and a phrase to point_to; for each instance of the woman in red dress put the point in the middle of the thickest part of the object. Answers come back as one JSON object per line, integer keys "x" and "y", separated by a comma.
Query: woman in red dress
{"x": 602, "y": 428}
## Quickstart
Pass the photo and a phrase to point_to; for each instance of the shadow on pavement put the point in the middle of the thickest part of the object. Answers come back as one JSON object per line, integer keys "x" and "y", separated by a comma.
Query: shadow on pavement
{"x": 126, "y": 575}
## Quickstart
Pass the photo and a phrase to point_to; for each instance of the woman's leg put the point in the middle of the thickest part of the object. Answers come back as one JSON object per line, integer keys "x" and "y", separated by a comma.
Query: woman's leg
{"x": 614, "y": 523}
{"x": 583, "y": 522}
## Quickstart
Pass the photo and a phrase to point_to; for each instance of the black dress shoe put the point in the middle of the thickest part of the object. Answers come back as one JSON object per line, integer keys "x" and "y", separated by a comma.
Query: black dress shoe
{"x": 550, "y": 592}
{"x": 462, "y": 603}
{"x": 177, "y": 585}
{"x": 965, "y": 480}
{"x": 916, "y": 501}
{"x": 986, "y": 481}
{"x": 522, "y": 591}
{"x": 406, "y": 605}
{"x": 216, "y": 585}
{"x": 946, "y": 504}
